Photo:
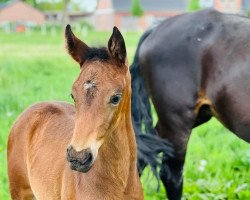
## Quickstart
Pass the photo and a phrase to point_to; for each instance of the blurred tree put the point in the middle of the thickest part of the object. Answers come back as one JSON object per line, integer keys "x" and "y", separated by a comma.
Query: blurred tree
{"x": 193, "y": 5}
{"x": 3, "y": 1}
{"x": 50, "y": 5}
{"x": 59, "y": 5}
{"x": 136, "y": 9}
{"x": 248, "y": 13}
{"x": 42, "y": 4}
{"x": 31, "y": 2}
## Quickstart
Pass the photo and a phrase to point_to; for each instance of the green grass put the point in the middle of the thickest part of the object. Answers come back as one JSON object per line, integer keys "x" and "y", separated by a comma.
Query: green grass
{"x": 36, "y": 68}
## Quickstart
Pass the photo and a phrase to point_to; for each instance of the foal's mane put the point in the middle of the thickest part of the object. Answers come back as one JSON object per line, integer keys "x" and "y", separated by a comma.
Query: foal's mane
{"x": 94, "y": 53}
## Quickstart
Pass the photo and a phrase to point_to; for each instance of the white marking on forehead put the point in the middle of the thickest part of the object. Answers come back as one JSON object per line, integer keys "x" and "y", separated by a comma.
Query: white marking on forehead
{"x": 88, "y": 85}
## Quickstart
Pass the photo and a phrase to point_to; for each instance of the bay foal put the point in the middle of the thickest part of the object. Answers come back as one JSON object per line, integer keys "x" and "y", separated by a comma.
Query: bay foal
{"x": 96, "y": 133}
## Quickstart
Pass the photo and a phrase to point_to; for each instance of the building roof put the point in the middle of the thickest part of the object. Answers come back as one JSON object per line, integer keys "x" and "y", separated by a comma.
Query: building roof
{"x": 19, "y": 11}
{"x": 151, "y": 5}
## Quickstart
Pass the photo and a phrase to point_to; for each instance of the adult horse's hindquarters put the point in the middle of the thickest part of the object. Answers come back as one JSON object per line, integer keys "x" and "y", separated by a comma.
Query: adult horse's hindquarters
{"x": 194, "y": 66}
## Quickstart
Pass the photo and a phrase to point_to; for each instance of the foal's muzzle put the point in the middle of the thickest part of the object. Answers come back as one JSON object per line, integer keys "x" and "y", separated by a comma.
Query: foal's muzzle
{"x": 81, "y": 161}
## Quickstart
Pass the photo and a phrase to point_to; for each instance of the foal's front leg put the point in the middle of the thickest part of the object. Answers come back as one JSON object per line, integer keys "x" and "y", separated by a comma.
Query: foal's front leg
{"x": 18, "y": 193}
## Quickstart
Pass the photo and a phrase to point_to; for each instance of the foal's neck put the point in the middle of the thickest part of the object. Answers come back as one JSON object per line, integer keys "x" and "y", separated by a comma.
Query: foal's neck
{"x": 116, "y": 166}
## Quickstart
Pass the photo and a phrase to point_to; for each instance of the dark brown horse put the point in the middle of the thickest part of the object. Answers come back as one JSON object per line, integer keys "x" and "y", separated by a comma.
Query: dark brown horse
{"x": 97, "y": 133}
{"x": 194, "y": 66}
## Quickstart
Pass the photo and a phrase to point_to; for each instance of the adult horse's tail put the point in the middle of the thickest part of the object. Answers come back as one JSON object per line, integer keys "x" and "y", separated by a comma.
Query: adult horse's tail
{"x": 149, "y": 144}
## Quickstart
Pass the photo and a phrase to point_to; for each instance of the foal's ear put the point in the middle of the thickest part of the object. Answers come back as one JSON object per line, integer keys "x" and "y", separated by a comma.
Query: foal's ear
{"x": 76, "y": 48}
{"x": 117, "y": 46}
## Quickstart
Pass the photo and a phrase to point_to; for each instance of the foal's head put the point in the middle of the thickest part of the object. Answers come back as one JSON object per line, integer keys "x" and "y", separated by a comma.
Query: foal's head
{"x": 100, "y": 92}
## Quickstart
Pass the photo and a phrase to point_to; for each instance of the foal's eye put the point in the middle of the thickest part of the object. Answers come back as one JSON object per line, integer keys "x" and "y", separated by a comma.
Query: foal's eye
{"x": 72, "y": 96}
{"x": 115, "y": 99}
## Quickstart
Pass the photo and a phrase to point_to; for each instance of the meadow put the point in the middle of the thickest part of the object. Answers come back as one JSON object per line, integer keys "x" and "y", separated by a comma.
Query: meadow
{"x": 36, "y": 67}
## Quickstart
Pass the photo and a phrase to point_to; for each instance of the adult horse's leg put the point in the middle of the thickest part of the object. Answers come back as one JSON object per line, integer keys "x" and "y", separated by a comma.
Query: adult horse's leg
{"x": 178, "y": 112}
{"x": 172, "y": 168}
{"x": 176, "y": 128}
{"x": 175, "y": 103}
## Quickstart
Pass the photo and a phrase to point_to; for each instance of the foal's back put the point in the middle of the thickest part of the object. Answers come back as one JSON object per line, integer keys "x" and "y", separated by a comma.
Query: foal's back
{"x": 39, "y": 130}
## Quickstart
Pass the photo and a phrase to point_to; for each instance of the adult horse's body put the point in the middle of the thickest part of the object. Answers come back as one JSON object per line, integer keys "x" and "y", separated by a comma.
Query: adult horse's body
{"x": 194, "y": 66}
{"x": 97, "y": 133}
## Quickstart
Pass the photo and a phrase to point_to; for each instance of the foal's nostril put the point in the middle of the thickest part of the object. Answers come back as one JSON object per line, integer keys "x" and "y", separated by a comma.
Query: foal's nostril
{"x": 80, "y": 161}
{"x": 68, "y": 149}
{"x": 88, "y": 159}
{"x": 84, "y": 157}
{"x": 68, "y": 154}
